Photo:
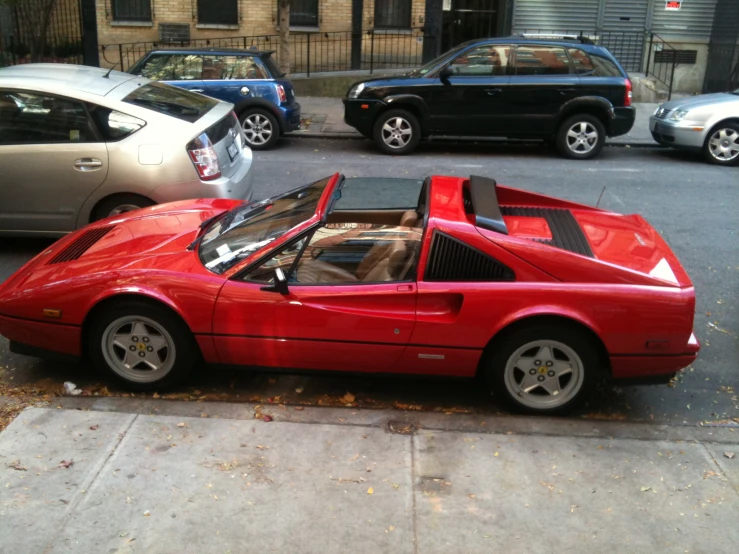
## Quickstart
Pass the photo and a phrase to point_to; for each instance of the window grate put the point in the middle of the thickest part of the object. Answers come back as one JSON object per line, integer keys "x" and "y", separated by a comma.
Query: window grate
{"x": 131, "y": 10}
{"x": 80, "y": 245}
{"x": 452, "y": 260}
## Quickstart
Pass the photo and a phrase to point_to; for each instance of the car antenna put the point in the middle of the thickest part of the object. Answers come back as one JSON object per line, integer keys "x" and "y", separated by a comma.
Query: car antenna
{"x": 600, "y": 197}
{"x": 107, "y": 75}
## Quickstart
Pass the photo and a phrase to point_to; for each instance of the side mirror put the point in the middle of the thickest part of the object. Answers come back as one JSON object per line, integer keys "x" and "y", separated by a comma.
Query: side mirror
{"x": 445, "y": 73}
{"x": 280, "y": 284}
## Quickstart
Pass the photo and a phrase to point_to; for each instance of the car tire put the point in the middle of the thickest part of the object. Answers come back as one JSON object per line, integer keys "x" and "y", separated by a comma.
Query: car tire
{"x": 581, "y": 137}
{"x": 397, "y": 132}
{"x": 118, "y": 204}
{"x": 563, "y": 379}
{"x": 722, "y": 144}
{"x": 141, "y": 345}
{"x": 261, "y": 128}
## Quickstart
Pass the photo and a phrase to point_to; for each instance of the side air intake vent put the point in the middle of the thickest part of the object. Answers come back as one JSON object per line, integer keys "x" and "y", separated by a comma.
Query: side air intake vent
{"x": 566, "y": 232}
{"x": 80, "y": 245}
{"x": 453, "y": 260}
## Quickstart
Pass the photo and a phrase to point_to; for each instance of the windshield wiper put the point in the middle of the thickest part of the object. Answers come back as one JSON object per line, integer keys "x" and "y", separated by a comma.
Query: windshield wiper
{"x": 202, "y": 230}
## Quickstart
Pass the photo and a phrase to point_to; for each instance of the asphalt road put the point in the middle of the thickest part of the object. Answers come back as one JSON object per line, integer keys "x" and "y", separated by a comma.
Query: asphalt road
{"x": 693, "y": 205}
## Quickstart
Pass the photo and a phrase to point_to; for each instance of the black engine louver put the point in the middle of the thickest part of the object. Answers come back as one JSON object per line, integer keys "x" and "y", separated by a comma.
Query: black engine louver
{"x": 80, "y": 245}
{"x": 453, "y": 260}
{"x": 566, "y": 232}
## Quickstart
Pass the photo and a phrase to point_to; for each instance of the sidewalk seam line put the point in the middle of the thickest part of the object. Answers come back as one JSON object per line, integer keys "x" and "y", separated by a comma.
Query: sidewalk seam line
{"x": 733, "y": 485}
{"x": 413, "y": 493}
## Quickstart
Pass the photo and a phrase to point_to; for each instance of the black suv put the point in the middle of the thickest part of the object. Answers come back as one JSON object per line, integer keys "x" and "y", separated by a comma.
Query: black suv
{"x": 567, "y": 92}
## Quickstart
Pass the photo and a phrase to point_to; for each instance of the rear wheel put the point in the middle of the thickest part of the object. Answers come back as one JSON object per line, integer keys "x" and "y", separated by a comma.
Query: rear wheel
{"x": 542, "y": 369}
{"x": 142, "y": 346}
{"x": 581, "y": 137}
{"x": 260, "y": 128}
{"x": 722, "y": 145}
{"x": 397, "y": 132}
{"x": 119, "y": 204}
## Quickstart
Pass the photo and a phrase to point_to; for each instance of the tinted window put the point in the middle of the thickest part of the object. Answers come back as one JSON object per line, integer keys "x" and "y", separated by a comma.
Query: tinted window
{"x": 112, "y": 124}
{"x": 173, "y": 67}
{"x": 29, "y": 118}
{"x": 605, "y": 67}
{"x": 232, "y": 67}
{"x": 487, "y": 60}
{"x": 583, "y": 64}
{"x": 541, "y": 60}
{"x": 173, "y": 101}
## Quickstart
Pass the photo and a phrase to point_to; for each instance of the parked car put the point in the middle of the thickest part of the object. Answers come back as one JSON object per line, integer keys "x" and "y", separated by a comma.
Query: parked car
{"x": 535, "y": 294}
{"x": 707, "y": 123}
{"x": 79, "y": 144}
{"x": 572, "y": 94}
{"x": 264, "y": 99}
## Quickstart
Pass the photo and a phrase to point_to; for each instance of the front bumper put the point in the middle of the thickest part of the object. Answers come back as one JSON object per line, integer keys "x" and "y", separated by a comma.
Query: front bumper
{"x": 360, "y": 114}
{"x": 680, "y": 134}
{"x": 622, "y": 122}
{"x": 26, "y": 335}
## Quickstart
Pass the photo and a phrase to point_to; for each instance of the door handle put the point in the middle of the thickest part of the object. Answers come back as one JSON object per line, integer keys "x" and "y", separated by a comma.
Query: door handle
{"x": 566, "y": 90}
{"x": 493, "y": 91}
{"x": 197, "y": 90}
{"x": 87, "y": 164}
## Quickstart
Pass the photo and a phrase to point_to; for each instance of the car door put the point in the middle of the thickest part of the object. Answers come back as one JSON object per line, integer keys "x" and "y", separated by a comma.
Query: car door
{"x": 474, "y": 99}
{"x": 543, "y": 81}
{"x": 52, "y": 159}
{"x": 349, "y": 305}
{"x": 234, "y": 78}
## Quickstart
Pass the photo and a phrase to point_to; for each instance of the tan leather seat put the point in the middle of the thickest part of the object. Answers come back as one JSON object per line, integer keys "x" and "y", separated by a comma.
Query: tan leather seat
{"x": 311, "y": 271}
{"x": 409, "y": 219}
{"x": 384, "y": 262}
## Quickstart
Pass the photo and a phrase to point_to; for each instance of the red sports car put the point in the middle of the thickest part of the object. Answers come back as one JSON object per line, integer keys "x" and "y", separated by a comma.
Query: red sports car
{"x": 535, "y": 294}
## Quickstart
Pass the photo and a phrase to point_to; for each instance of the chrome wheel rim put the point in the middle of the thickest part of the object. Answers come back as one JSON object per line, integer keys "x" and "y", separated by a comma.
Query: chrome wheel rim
{"x": 544, "y": 374}
{"x": 123, "y": 208}
{"x": 138, "y": 349}
{"x": 396, "y": 132}
{"x": 257, "y": 128}
{"x": 582, "y": 137}
{"x": 724, "y": 144}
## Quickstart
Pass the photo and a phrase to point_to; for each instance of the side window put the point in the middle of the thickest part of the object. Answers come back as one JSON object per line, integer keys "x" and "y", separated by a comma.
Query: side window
{"x": 29, "y": 118}
{"x": 486, "y": 60}
{"x": 541, "y": 60}
{"x": 158, "y": 68}
{"x": 112, "y": 124}
{"x": 188, "y": 68}
{"x": 605, "y": 67}
{"x": 284, "y": 260}
{"x": 233, "y": 67}
{"x": 583, "y": 64}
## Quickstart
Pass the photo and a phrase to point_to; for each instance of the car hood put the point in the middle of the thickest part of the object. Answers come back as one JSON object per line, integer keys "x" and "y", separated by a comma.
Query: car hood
{"x": 693, "y": 102}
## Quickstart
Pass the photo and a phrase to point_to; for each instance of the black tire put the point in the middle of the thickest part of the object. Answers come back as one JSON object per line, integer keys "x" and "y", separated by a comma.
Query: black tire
{"x": 508, "y": 347}
{"x": 118, "y": 204}
{"x": 568, "y": 146}
{"x": 186, "y": 354}
{"x": 254, "y": 122}
{"x": 727, "y": 134}
{"x": 404, "y": 121}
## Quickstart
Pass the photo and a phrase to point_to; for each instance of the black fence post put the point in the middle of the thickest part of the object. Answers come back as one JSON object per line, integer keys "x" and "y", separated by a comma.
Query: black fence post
{"x": 356, "y": 44}
{"x": 372, "y": 51}
{"x": 120, "y": 57}
{"x": 12, "y": 49}
{"x": 308, "y": 46}
{"x": 672, "y": 77}
{"x": 649, "y": 54}
{"x": 88, "y": 21}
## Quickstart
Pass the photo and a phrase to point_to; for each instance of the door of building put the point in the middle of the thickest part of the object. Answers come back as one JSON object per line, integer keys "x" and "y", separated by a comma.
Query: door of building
{"x": 623, "y": 31}
{"x": 722, "y": 70}
{"x": 464, "y": 20}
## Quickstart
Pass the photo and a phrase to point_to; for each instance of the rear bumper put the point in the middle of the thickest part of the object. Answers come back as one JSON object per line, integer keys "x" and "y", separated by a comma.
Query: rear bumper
{"x": 37, "y": 337}
{"x": 360, "y": 114}
{"x": 290, "y": 118}
{"x": 651, "y": 368}
{"x": 622, "y": 122}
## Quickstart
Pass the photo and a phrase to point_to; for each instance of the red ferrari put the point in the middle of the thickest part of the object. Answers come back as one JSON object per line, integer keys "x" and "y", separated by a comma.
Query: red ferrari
{"x": 537, "y": 295}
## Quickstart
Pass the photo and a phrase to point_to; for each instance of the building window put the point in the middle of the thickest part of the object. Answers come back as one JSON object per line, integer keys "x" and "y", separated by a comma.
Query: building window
{"x": 218, "y": 12}
{"x": 392, "y": 14}
{"x": 303, "y": 13}
{"x": 131, "y": 10}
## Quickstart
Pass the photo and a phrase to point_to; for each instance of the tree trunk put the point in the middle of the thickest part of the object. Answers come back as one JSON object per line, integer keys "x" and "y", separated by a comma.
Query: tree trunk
{"x": 284, "y": 49}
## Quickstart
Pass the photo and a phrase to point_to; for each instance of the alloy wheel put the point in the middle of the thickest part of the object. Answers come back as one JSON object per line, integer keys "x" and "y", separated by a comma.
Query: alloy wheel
{"x": 396, "y": 132}
{"x": 258, "y": 129}
{"x": 724, "y": 145}
{"x": 138, "y": 349}
{"x": 582, "y": 137}
{"x": 544, "y": 374}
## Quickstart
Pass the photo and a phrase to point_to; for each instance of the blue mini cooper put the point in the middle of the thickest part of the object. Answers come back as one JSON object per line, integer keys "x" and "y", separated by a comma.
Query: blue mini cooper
{"x": 264, "y": 99}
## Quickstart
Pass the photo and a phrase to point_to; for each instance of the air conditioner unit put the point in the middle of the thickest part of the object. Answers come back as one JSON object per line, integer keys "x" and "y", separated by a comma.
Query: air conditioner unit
{"x": 174, "y": 32}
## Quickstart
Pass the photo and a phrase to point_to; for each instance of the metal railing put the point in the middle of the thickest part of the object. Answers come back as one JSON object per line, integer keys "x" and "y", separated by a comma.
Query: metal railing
{"x": 310, "y": 52}
{"x": 664, "y": 70}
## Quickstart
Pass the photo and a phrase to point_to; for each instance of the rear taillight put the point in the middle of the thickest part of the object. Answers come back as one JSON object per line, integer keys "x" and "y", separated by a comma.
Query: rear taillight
{"x": 629, "y": 94}
{"x": 281, "y": 92}
{"x": 204, "y": 157}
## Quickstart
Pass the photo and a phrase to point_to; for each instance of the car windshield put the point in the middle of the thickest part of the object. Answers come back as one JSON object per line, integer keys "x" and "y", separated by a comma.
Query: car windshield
{"x": 421, "y": 71}
{"x": 250, "y": 227}
{"x": 170, "y": 100}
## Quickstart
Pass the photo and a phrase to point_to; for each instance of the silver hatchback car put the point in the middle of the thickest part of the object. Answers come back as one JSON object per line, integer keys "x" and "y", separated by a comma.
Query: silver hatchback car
{"x": 78, "y": 144}
{"x": 708, "y": 122}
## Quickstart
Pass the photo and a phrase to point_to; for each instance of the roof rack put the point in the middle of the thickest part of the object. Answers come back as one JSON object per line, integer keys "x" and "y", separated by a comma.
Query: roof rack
{"x": 559, "y": 36}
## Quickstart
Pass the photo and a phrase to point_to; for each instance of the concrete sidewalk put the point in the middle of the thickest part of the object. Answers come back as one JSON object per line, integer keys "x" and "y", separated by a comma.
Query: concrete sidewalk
{"x": 165, "y": 478}
{"x": 324, "y": 118}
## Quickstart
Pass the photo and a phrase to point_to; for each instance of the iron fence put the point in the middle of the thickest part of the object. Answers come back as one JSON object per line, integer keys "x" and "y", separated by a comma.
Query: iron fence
{"x": 310, "y": 52}
{"x": 662, "y": 68}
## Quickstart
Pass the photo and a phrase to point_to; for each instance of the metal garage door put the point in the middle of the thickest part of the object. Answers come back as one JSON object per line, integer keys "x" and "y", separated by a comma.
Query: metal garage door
{"x": 623, "y": 31}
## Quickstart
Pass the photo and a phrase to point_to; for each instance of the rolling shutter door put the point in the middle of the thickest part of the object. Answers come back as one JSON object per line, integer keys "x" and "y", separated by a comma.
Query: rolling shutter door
{"x": 624, "y": 23}
{"x": 570, "y": 16}
{"x": 694, "y": 20}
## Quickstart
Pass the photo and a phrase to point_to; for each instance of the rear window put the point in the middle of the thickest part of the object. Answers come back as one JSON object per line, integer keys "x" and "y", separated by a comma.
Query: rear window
{"x": 272, "y": 67}
{"x": 593, "y": 65}
{"x": 170, "y": 100}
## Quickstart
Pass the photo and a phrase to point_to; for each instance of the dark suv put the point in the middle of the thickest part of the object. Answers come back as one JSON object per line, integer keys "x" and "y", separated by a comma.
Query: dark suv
{"x": 567, "y": 92}
{"x": 263, "y": 98}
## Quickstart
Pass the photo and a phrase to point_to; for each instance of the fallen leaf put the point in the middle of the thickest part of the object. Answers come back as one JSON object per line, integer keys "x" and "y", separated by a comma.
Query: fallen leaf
{"x": 66, "y": 463}
{"x": 299, "y": 390}
{"x": 181, "y": 424}
{"x": 156, "y": 395}
{"x": 496, "y": 454}
{"x": 370, "y": 490}
{"x": 471, "y": 496}
{"x": 93, "y": 427}
{"x": 16, "y": 465}
{"x": 348, "y": 398}
{"x": 645, "y": 489}
{"x": 260, "y": 447}
{"x": 267, "y": 418}
{"x": 729, "y": 455}
{"x": 299, "y": 408}
{"x": 146, "y": 513}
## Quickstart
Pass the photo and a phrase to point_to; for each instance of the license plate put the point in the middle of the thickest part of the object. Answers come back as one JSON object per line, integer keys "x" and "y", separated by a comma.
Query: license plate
{"x": 232, "y": 150}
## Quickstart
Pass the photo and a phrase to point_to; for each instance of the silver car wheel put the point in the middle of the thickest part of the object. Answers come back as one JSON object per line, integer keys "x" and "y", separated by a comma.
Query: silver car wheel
{"x": 257, "y": 128}
{"x": 396, "y": 132}
{"x": 582, "y": 137}
{"x": 123, "y": 208}
{"x": 724, "y": 144}
{"x": 544, "y": 374}
{"x": 138, "y": 349}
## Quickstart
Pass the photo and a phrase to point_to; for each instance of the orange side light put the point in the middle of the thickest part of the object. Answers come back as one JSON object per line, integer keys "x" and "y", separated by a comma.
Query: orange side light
{"x": 52, "y": 313}
{"x": 365, "y": 106}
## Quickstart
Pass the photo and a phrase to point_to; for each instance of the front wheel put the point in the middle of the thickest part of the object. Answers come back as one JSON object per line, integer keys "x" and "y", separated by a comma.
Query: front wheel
{"x": 119, "y": 204}
{"x": 542, "y": 369}
{"x": 397, "y": 132}
{"x": 722, "y": 145}
{"x": 261, "y": 129}
{"x": 581, "y": 137}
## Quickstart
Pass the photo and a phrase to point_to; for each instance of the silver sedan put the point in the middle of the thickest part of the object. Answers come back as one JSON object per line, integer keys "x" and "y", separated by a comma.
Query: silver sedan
{"x": 709, "y": 122}
{"x": 78, "y": 144}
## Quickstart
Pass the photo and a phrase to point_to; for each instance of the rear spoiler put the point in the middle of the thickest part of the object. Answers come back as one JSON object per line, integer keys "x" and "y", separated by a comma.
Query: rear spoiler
{"x": 485, "y": 205}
